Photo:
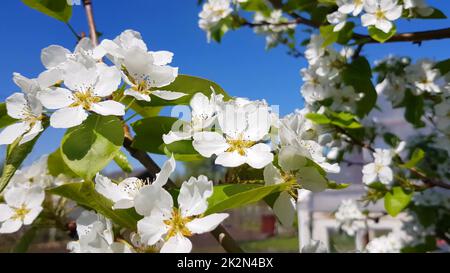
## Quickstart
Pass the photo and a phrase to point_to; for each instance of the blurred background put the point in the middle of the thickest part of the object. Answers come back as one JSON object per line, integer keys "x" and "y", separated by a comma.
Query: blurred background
{"x": 240, "y": 64}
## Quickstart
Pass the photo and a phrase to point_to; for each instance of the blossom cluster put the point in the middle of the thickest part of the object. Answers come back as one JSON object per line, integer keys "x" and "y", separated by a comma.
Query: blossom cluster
{"x": 78, "y": 83}
{"x": 378, "y": 13}
{"x": 350, "y": 217}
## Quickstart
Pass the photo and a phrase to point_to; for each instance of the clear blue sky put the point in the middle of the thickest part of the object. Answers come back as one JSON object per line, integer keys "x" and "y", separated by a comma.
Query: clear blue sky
{"x": 240, "y": 64}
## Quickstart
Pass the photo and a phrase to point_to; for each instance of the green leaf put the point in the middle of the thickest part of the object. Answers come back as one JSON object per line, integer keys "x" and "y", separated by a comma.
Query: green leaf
{"x": 318, "y": 118}
{"x": 416, "y": 157}
{"x": 182, "y": 151}
{"x": 293, "y": 5}
{"x": 58, "y": 9}
{"x": 391, "y": 139}
{"x": 256, "y": 6}
{"x": 337, "y": 186}
{"x": 381, "y": 36}
{"x": 437, "y": 14}
{"x": 5, "y": 119}
{"x": 238, "y": 195}
{"x": 57, "y": 166}
{"x": 342, "y": 37}
{"x": 396, "y": 200}
{"x": 149, "y": 132}
{"x": 344, "y": 120}
{"x": 443, "y": 66}
{"x": 15, "y": 155}
{"x": 121, "y": 160}
{"x": 358, "y": 74}
{"x": 88, "y": 148}
{"x": 414, "y": 109}
{"x": 85, "y": 195}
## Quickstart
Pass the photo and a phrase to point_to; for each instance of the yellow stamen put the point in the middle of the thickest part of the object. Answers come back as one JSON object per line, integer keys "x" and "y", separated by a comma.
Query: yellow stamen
{"x": 239, "y": 145}
{"x": 85, "y": 99}
{"x": 20, "y": 213}
{"x": 177, "y": 224}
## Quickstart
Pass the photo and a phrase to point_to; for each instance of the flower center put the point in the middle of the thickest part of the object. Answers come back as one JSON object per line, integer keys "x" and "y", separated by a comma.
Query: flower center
{"x": 20, "y": 213}
{"x": 379, "y": 14}
{"x": 177, "y": 224}
{"x": 85, "y": 99}
{"x": 291, "y": 180}
{"x": 239, "y": 145}
{"x": 140, "y": 86}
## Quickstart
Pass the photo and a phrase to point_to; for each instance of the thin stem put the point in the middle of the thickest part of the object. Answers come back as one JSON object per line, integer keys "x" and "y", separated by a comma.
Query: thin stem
{"x": 415, "y": 37}
{"x": 73, "y": 31}
{"x": 90, "y": 18}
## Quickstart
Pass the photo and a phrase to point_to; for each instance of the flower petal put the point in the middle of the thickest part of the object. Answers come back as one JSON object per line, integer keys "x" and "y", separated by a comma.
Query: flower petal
{"x": 209, "y": 143}
{"x": 163, "y": 176}
{"x": 17, "y": 106}
{"x": 10, "y": 226}
{"x": 193, "y": 196}
{"x": 5, "y": 212}
{"x": 33, "y": 214}
{"x": 230, "y": 159}
{"x": 109, "y": 79}
{"x": 151, "y": 229}
{"x": 32, "y": 133}
{"x": 56, "y": 98}
{"x": 68, "y": 117}
{"x": 136, "y": 95}
{"x": 108, "y": 108}
{"x": 177, "y": 244}
{"x": 153, "y": 199}
{"x": 12, "y": 132}
{"x": 168, "y": 95}
{"x": 53, "y": 56}
{"x": 162, "y": 57}
{"x": 259, "y": 155}
{"x": 207, "y": 223}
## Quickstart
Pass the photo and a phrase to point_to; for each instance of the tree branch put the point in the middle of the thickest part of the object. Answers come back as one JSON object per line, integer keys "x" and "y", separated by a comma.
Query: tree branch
{"x": 220, "y": 233}
{"x": 415, "y": 37}
{"x": 90, "y": 18}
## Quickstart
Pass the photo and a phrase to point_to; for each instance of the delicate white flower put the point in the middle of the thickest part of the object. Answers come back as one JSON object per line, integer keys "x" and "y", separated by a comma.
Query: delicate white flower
{"x": 244, "y": 125}
{"x": 28, "y": 112}
{"x": 338, "y": 19}
{"x": 86, "y": 89}
{"x": 34, "y": 175}
{"x": 95, "y": 235}
{"x": 22, "y": 206}
{"x": 144, "y": 71}
{"x": 314, "y": 50}
{"x": 391, "y": 243}
{"x": 124, "y": 193}
{"x": 380, "y": 169}
{"x": 393, "y": 87}
{"x": 213, "y": 11}
{"x": 349, "y": 217}
{"x": 420, "y": 6}
{"x": 345, "y": 99}
{"x": 203, "y": 115}
{"x": 315, "y": 87}
{"x": 299, "y": 139}
{"x": 272, "y": 26}
{"x": 171, "y": 224}
{"x": 350, "y": 6}
{"x": 381, "y": 13}
{"x": 423, "y": 77}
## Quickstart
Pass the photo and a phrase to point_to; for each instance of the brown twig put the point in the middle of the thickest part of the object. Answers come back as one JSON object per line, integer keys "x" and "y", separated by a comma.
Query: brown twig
{"x": 220, "y": 233}
{"x": 90, "y": 18}
{"x": 414, "y": 37}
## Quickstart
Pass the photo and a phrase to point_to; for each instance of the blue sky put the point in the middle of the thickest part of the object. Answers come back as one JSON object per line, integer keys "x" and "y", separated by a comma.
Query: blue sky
{"x": 240, "y": 64}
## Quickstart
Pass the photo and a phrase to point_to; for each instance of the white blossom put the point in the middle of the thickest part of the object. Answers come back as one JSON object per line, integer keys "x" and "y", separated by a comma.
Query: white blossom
{"x": 420, "y": 6}
{"x": 144, "y": 71}
{"x": 423, "y": 77}
{"x": 338, "y": 19}
{"x": 95, "y": 235}
{"x": 124, "y": 193}
{"x": 164, "y": 222}
{"x": 391, "y": 243}
{"x": 381, "y": 13}
{"x": 23, "y": 206}
{"x": 350, "y": 217}
{"x": 212, "y": 13}
{"x": 203, "y": 115}
{"x": 87, "y": 87}
{"x": 244, "y": 125}
{"x": 380, "y": 169}
{"x": 353, "y": 7}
